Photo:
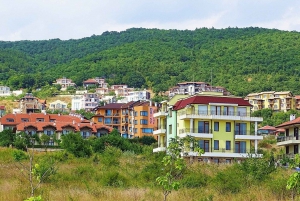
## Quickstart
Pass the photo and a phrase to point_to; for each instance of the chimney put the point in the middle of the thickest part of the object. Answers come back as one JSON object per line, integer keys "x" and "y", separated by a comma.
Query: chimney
{"x": 292, "y": 117}
{"x": 73, "y": 121}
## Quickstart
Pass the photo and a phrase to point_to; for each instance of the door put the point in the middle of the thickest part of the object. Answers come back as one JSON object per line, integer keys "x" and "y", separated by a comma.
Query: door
{"x": 240, "y": 147}
{"x": 240, "y": 129}
{"x": 204, "y": 144}
{"x": 296, "y": 149}
{"x": 203, "y": 127}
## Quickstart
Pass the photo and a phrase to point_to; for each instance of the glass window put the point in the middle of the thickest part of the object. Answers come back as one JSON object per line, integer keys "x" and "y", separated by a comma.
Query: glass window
{"x": 216, "y": 126}
{"x": 170, "y": 129}
{"x": 228, "y": 145}
{"x": 144, "y": 122}
{"x": 107, "y": 120}
{"x": 147, "y": 130}
{"x": 100, "y": 119}
{"x": 228, "y": 127}
{"x": 216, "y": 144}
{"x": 144, "y": 113}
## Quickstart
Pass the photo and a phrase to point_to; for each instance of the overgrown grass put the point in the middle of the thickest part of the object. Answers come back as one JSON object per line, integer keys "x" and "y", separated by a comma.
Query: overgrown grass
{"x": 132, "y": 177}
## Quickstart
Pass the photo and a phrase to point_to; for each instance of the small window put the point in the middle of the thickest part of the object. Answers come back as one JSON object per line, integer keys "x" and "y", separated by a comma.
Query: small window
{"x": 100, "y": 119}
{"x": 144, "y": 113}
{"x": 170, "y": 129}
{"x": 228, "y": 127}
{"x": 216, "y": 144}
{"x": 10, "y": 120}
{"x": 216, "y": 126}
{"x": 228, "y": 145}
{"x": 40, "y": 119}
{"x": 144, "y": 122}
{"x": 25, "y": 120}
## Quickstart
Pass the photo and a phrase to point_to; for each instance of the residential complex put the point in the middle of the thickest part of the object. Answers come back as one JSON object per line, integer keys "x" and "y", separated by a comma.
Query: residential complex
{"x": 50, "y": 124}
{"x": 133, "y": 119}
{"x": 277, "y": 101}
{"x": 220, "y": 124}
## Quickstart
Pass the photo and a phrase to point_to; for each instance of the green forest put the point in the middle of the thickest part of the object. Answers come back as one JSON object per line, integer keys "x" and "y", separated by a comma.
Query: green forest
{"x": 244, "y": 60}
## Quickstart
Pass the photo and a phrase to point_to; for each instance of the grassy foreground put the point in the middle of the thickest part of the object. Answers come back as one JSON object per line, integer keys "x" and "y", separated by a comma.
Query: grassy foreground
{"x": 129, "y": 177}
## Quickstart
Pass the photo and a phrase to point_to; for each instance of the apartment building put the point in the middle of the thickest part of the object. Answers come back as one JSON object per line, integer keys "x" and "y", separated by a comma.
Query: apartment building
{"x": 86, "y": 101}
{"x": 58, "y": 105}
{"x": 289, "y": 139}
{"x": 95, "y": 82}
{"x": 133, "y": 119}
{"x": 277, "y": 101}
{"x": 64, "y": 83}
{"x": 220, "y": 124}
{"x": 192, "y": 88}
{"x": 50, "y": 124}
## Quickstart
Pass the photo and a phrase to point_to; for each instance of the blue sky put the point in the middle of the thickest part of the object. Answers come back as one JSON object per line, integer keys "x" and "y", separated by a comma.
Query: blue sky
{"x": 73, "y": 19}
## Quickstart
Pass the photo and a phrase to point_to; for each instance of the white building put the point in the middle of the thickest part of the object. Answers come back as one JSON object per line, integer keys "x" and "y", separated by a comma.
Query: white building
{"x": 136, "y": 96}
{"x": 5, "y": 91}
{"x": 58, "y": 105}
{"x": 86, "y": 101}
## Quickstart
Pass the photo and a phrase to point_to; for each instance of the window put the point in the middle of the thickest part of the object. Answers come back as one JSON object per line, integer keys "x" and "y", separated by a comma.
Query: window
{"x": 228, "y": 145}
{"x": 107, "y": 120}
{"x": 85, "y": 134}
{"x": 48, "y": 132}
{"x": 24, "y": 120}
{"x": 216, "y": 126}
{"x": 66, "y": 131}
{"x": 203, "y": 127}
{"x": 170, "y": 129}
{"x": 144, "y": 122}
{"x": 40, "y": 119}
{"x": 240, "y": 129}
{"x": 108, "y": 112}
{"x": 135, "y": 130}
{"x": 170, "y": 112}
{"x": 135, "y": 114}
{"x": 228, "y": 161}
{"x": 228, "y": 127}
{"x": 135, "y": 122}
{"x": 10, "y": 120}
{"x": 216, "y": 144}
{"x": 100, "y": 119}
{"x": 144, "y": 113}
{"x": 147, "y": 130}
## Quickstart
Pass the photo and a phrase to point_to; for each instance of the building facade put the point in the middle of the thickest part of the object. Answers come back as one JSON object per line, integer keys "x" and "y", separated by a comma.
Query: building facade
{"x": 64, "y": 83}
{"x": 86, "y": 102}
{"x": 277, "y": 101}
{"x": 220, "y": 124}
{"x": 5, "y": 91}
{"x": 31, "y": 104}
{"x": 59, "y": 106}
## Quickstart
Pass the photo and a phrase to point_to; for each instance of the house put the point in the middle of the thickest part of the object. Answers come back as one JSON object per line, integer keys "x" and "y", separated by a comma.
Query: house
{"x": 31, "y": 104}
{"x": 220, "y": 124}
{"x": 192, "y": 88}
{"x": 5, "y": 91}
{"x": 52, "y": 124}
{"x": 64, "y": 83}
{"x": 58, "y": 105}
{"x": 95, "y": 82}
{"x": 289, "y": 141}
{"x": 268, "y": 130}
{"x": 277, "y": 101}
{"x": 133, "y": 119}
{"x": 86, "y": 101}
{"x": 136, "y": 96}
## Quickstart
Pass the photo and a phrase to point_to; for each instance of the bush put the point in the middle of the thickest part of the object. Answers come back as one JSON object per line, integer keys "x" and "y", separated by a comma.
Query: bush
{"x": 195, "y": 180}
{"x": 113, "y": 179}
{"x": 75, "y": 144}
{"x": 229, "y": 180}
{"x": 110, "y": 156}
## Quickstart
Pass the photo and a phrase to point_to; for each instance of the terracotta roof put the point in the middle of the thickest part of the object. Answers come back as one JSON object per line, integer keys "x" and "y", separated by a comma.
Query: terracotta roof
{"x": 210, "y": 99}
{"x": 90, "y": 81}
{"x": 112, "y": 106}
{"x": 280, "y": 130}
{"x": 295, "y": 121}
{"x": 267, "y": 128}
{"x": 297, "y": 97}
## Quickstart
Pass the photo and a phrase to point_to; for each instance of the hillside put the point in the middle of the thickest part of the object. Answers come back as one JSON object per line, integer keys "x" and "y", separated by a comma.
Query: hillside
{"x": 242, "y": 60}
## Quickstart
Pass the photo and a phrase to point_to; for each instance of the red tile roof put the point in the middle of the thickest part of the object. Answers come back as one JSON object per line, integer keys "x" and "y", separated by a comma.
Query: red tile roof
{"x": 267, "y": 128}
{"x": 112, "y": 106}
{"x": 90, "y": 81}
{"x": 210, "y": 99}
{"x": 295, "y": 121}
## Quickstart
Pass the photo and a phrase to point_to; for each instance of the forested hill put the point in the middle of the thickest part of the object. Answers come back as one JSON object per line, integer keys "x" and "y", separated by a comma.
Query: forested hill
{"x": 243, "y": 60}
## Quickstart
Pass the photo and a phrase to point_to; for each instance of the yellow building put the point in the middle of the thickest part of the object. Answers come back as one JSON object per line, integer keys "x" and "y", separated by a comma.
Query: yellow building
{"x": 277, "y": 101}
{"x": 220, "y": 124}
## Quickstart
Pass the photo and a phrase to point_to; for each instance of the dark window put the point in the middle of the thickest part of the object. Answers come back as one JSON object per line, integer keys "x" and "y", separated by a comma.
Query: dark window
{"x": 228, "y": 127}
{"x": 216, "y": 144}
{"x": 170, "y": 129}
{"x": 228, "y": 145}
{"x": 216, "y": 126}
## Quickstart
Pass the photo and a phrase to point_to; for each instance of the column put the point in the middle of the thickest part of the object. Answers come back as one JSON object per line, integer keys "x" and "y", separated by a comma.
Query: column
{"x": 255, "y": 144}
{"x": 191, "y": 126}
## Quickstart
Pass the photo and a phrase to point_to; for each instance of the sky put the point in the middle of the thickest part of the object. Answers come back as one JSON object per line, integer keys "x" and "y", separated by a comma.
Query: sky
{"x": 74, "y": 19}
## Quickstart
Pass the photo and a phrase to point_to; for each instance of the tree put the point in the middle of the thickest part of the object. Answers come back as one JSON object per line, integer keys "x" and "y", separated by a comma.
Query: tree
{"x": 7, "y": 138}
{"x": 75, "y": 144}
{"x": 174, "y": 164}
{"x": 293, "y": 182}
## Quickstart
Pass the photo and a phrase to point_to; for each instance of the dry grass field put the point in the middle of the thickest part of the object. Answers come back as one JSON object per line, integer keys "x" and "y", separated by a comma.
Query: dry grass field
{"x": 81, "y": 179}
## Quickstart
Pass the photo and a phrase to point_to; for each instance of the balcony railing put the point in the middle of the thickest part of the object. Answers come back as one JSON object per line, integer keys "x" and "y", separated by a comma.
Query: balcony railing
{"x": 244, "y": 132}
{"x": 286, "y": 138}
{"x": 195, "y": 130}
{"x": 214, "y": 112}
{"x": 226, "y": 150}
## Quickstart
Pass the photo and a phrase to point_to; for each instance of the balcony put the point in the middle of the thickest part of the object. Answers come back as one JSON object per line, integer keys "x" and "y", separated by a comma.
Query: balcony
{"x": 218, "y": 116}
{"x": 160, "y": 130}
{"x": 227, "y": 153}
{"x": 198, "y": 133}
{"x": 287, "y": 140}
{"x": 246, "y": 135}
{"x": 160, "y": 114}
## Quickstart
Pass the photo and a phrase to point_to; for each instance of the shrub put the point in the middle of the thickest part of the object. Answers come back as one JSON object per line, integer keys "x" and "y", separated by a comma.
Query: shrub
{"x": 75, "y": 144}
{"x": 195, "y": 180}
{"x": 110, "y": 156}
{"x": 113, "y": 179}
